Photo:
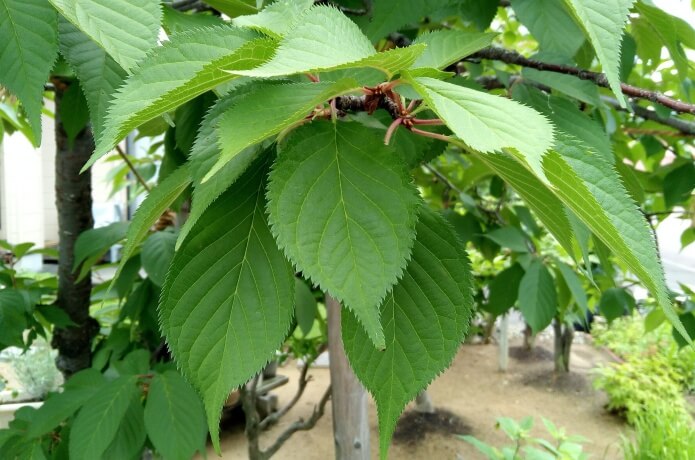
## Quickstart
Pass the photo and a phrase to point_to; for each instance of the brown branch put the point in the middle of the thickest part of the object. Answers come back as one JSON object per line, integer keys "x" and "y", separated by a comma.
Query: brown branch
{"x": 685, "y": 127}
{"x": 301, "y": 386}
{"x": 300, "y": 425}
{"x": 132, "y": 168}
{"x": 365, "y": 11}
{"x": 515, "y": 58}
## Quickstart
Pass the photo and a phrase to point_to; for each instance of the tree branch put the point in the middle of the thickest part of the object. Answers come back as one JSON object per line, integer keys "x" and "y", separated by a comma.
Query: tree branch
{"x": 300, "y": 425}
{"x": 684, "y": 127}
{"x": 513, "y": 57}
{"x": 301, "y": 386}
{"x": 366, "y": 10}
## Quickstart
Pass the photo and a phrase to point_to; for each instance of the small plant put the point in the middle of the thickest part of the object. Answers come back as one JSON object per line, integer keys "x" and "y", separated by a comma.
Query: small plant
{"x": 562, "y": 447}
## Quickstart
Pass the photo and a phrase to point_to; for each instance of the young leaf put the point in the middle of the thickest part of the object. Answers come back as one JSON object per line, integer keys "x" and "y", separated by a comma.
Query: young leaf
{"x": 537, "y": 296}
{"x": 267, "y": 110}
{"x": 343, "y": 209}
{"x": 445, "y": 47}
{"x": 98, "y": 73}
{"x": 158, "y": 201}
{"x": 175, "y": 21}
{"x": 73, "y": 112}
{"x": 29, "y": 47}
{"x": 188, "y": 65}
{"x": 97, "y": 423}
{"x": 551, "y": 24}
{"x": 489, "y": 123}
{"x": 92, "y": 244}
{"x": 276, "y": 18}
{"x": 126, "y": 29}
{"x": 227, "y": 302}
{"x": 574, "y": 285}
{"x": 430, "y": 304}
{"x": 591, "y": 188}
{"x": 336, "y": 43}
{"x": 12, "y": 318}
{"x": 604, "y": 23}
{"x": 174, "y": 417}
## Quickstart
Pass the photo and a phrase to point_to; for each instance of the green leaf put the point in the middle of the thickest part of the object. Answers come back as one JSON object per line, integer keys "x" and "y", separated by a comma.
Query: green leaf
{"x": 391, "y": 15}
{"x": 504, "y": 290}
{"x": 186, "y": 66}
{"x": 672, "y": 32}
{"x": 537, "y": 296}
{"x": 151, "y": 209}
{"x": 603, "y": 23}
{"x": 567, "y": 117}
{"x": 551, "y": 24}
{"x": 92, "y": 244}
{"x": 98, "y": 73}
{"x": 59, "y": 406}
{"x": 336, "y": 43}
{"x": 97, "y": 423}
{"x": 478, "y": 12}
{"x": 130, "y": 438}
{"x": 489, "y": 123}
{"x": 585, "y": 91}
{"x": 73, "y": 112}
{"x": 204, "y": 155}
{"x": 688, "y": 321}
{"x": 591, "y": 188}
{"x": 343, "y": 209}
{"x": 431, "y": 304}
{"x": 157, "y": 253}
{"x": 227, "y": 302}
{"x": 305, "y": 306}
{"x": 510, "y": 237}
{"x": 233, "y": 8}
{"x": 574, "y": 284}
{"x": 12, "y": 318}
{"x": 616, "y": 302}
{"x": 126, "y": 29}
{"x": 254, "y": 119}
{"x": 445, "y": 47}
{"x": 175, "y": 22}
{"x": 174, "y": 417}
{"x": 28, "y": 33}
{"x": 549, "y": 209}
{"x": 679, "y": 184}
{"x": 277, "y": 18}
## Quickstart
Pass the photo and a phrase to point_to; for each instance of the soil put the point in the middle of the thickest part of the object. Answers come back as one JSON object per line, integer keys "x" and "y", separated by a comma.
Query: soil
{"x": 469, "y": 397}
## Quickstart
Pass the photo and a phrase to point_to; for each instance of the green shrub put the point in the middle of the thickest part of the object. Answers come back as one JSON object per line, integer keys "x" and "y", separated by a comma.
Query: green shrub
{"x": 661, "y": 434}
{"x": 641, "y": 385}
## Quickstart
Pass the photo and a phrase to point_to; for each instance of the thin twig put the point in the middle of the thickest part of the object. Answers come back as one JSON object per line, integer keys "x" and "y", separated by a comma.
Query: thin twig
{"x": 132, "y": 168}
{"x": 683, "y": 126}
{"x": 599, "y": 79}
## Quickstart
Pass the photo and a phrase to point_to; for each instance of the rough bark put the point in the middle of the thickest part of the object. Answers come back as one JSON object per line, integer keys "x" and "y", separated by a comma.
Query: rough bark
{"x": 564, "y": 334}
{"x": 74, "y": 203}
{"x": 349, "y": 400}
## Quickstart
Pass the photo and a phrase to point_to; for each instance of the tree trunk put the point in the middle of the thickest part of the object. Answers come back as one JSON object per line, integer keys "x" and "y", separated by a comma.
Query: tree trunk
{"x": 564, "y": 334}
{"x": 349, "y": 398}
{"x": 423, "y": 403}
{"x": 529, "y": 338}
{"x": 74, "y": 203}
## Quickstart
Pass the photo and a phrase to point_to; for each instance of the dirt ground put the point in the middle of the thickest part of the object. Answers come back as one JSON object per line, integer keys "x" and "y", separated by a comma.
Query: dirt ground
{"x": 470, "y": 396}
